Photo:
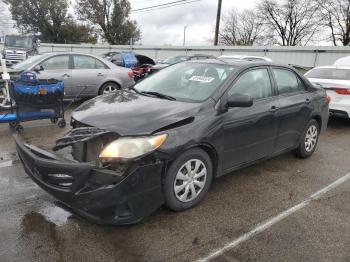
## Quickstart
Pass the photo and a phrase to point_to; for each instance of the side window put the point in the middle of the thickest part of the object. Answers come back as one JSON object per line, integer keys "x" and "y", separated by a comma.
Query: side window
{"x": 255, "y": 83}
{"x": 99, "y": 64}
{"x": 117, "y": 59}
{"x": 287, "y": 81}
{"x": 56, "y": 63}
{"x": 86, "y": 62}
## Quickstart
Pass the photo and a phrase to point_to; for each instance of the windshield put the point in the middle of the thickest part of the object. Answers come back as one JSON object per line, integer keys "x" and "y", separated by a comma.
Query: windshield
{"x": 188, "y": 82}
{"x": 329, "y": 73}
{"x": 175, "y": 59}
{"x": 18, "y": 41}
{"x": 31, "y": 61}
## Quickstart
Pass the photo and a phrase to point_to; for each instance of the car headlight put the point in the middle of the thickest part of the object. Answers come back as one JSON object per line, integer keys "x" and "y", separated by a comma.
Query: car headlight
{"x": 129, "y": 147}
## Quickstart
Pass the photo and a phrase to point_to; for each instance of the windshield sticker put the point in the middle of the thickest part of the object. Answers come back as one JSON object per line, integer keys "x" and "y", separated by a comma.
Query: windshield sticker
{"x": 202, "y": 79}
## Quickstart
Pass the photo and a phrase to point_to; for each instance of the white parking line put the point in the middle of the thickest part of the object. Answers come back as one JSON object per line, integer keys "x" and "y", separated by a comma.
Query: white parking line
{"x": 270, "y": 222}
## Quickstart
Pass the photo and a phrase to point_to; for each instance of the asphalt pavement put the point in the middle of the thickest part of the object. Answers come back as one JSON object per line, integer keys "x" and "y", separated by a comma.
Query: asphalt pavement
{"x": 266, "y": 212}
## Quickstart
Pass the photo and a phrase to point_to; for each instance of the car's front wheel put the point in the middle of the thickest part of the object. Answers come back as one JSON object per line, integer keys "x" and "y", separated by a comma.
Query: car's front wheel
{"x": 188, "y": 180}
{"x": 309, "y": 140}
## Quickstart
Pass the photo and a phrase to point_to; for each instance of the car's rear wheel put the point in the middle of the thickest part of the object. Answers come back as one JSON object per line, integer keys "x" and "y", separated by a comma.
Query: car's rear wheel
{"x": 108, "y": 88}
{"x": 188, "y": 180}
{"x": 309, "y": 140}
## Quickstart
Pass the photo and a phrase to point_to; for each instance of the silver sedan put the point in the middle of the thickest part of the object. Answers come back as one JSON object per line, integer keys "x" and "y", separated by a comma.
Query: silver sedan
{"x": 83, "y": 75}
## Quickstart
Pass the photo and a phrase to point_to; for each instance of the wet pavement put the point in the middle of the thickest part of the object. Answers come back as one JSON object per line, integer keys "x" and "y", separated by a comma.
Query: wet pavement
{"x": 34, "y": 228}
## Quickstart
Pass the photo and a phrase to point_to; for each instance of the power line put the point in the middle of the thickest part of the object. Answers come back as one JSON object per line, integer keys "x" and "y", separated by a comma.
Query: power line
{"x": 163, "y": 6}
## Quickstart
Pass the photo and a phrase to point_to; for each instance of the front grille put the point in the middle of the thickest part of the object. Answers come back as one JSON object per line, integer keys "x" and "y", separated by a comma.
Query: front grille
{"x": 15, "y": 56}
{"x": 63, "y": 181}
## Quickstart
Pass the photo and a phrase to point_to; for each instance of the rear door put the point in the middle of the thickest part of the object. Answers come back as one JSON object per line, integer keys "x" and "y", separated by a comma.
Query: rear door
{"x": 295, "y": 107}
{"x": 250, "y": 133}
{"x": 88, "y": 75}
{"x": 57, "y": 67}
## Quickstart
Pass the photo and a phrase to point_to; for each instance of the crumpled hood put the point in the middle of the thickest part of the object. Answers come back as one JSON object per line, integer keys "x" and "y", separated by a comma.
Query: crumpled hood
{"x": 128, "y": 113}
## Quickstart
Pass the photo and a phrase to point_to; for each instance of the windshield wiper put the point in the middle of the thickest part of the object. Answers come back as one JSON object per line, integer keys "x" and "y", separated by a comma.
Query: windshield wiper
{"x": 134, "y": 89}
{"x": 160, "y": 95}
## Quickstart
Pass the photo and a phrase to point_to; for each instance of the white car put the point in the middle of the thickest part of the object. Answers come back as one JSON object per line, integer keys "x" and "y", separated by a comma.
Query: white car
{"x": 245, "y": 57}
{"x": 344, "y": 61}
{"x": 336, "y": 81}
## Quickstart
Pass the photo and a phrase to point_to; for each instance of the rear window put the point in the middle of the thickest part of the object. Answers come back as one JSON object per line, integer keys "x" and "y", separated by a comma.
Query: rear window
{"x": 329, "y": 73}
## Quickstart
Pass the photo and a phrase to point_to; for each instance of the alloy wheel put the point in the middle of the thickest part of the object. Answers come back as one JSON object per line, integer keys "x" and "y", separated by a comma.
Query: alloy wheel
{"x": 190, "y": 180}
{"x": 109, "y": 89}
{"x": 311, "y": 138}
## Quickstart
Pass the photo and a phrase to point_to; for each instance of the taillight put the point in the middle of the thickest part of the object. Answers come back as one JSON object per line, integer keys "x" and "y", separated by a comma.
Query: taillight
{"x": 131, "y": 74}
{"x": 342, "y": 91}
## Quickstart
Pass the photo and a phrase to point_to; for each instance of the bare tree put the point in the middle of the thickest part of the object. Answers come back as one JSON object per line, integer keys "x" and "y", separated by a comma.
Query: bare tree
{"x": 336, "y": 17}
{"x": 290, "y": 22}
{"x": 241, "y": 28}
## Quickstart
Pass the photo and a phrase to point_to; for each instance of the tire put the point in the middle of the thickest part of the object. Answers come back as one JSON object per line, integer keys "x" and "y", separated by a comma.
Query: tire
{"x": 54, "y": 120}
{"x": 62, "y": 123}
{"x": 308, "y": 140}
{"x": 180, "y": 200}
{"x": 19, "y": 129}
{"x": 108, "y": 88}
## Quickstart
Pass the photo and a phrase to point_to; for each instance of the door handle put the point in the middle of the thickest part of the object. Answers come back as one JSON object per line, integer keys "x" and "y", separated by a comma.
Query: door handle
{"x": 274, "y": 109}
{"x": 99, "y": 74}
{"x": 66, "y": 75}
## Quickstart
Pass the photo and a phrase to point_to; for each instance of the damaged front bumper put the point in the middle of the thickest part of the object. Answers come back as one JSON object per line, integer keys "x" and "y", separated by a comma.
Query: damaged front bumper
{"x": 98, "y": 194}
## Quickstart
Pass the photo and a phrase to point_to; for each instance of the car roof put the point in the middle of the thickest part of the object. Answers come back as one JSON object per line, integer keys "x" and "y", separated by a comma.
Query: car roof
{"x": 239, "y": 63}
{"x": 244, "y": 57}
{"x": 66, "y": 53}
{"x": 332, "y": 67}
{"x": 77, "y": 53}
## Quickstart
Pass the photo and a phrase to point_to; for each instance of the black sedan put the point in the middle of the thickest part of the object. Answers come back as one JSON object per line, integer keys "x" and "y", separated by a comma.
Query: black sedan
{"x": 166, "y": 139}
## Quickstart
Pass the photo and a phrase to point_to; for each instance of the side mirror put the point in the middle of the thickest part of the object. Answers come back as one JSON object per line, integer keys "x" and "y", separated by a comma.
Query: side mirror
{"x": 38, "y": 68}
{"x": 238, "y": 100}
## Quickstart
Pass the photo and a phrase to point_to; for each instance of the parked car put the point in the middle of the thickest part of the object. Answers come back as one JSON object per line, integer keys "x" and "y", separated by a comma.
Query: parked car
{"x": 140, "y": 64}
{"x": 172, "y": 60}
{"x": 245, "y": 57}
{"x": 169, "y": 136}
{"x": 18, "y": 48}
{"x": 83, "y": 75}
{"x": 336, "y": 81}
{"x": 344, "y": 61}
{"x": 301, "y": 69}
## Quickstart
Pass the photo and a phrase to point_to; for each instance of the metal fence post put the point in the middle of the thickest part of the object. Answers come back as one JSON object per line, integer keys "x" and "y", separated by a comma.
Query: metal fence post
{"x": 316, "y": 57}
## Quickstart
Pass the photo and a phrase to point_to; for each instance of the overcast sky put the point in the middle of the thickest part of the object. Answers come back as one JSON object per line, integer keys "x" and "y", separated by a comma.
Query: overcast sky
{"x": 166, "y": 26}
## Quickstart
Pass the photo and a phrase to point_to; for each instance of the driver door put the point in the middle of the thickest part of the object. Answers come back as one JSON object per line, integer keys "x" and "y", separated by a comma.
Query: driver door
{"x": 250, "y": 133}
{"x": 57, "y": 67}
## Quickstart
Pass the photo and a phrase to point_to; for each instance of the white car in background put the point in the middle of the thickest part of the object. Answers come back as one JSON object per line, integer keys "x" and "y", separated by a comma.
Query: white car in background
{"x": 336, "y": 81}
{"x": 245, "y": 57}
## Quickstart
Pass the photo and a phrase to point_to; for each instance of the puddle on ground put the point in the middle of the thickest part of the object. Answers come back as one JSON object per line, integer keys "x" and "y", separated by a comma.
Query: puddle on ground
{"x": 56, "y": 215}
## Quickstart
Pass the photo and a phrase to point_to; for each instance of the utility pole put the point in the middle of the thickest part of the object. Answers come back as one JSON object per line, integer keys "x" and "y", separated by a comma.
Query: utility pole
{"x": 217, "y": 28}
{"x": 184, "y": 43}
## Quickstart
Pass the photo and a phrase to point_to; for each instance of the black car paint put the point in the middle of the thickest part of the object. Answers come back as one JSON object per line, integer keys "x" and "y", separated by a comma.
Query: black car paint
{"x": 233, "y": 138}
